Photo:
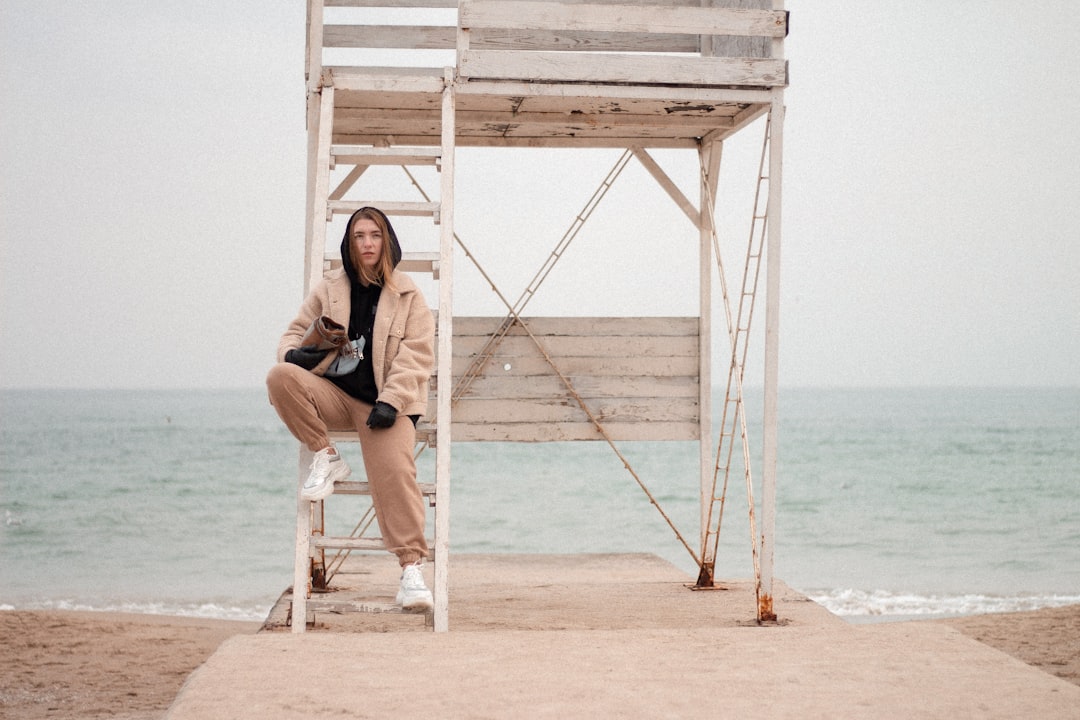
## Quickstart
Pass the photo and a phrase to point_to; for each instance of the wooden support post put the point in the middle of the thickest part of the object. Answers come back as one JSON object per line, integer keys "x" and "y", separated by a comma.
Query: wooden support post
{"x": 445, "y": 379}
{"x": 772, "y": 363}
{"x": 709, "y": 155}
{"x": 319, "y": 184}
{"x": 301, "y": 563}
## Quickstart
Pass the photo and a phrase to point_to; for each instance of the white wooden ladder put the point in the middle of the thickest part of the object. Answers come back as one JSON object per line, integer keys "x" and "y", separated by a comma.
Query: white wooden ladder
{"x": 324, "y": 156}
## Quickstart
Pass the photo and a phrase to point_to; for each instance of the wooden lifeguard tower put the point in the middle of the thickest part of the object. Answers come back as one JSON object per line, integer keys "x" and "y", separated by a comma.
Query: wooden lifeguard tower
{"x": 631, "y": 74}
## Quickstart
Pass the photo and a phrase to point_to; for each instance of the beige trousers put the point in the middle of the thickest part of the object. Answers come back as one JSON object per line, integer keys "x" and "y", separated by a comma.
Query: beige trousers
{"x": 311, "y": 405}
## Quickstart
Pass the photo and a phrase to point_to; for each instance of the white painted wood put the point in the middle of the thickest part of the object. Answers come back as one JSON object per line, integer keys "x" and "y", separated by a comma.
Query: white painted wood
{"x": 322, "y": 542}
{"x": 362, "y": 487}
{"x": 629, "y": 372}
{"x": 409, "y": 37}
{"x": 397, "y": 80}
{"x": 347, "y": 182}
{"x": 314, "y": 41}
{"x": 445, "y": 328}
{"x": 583, "y": 431}
{"x": 641, "y": 69}
{"x": 318, "y": 202}
{"x": 770, "y": 415}
{"x": 416, "y": 209}
{"x": 355, "y": 154}
{"x": 392, "y": 3}
{"x": 668, "y": 185}
{"x": 620, "y": 18}
{"x": 710, "y": 155}
{"x": 301, "y": 561}
{"x": 575, "y": 73}
{"x": 534, "y": 93}
{"x": 583, "y": 327}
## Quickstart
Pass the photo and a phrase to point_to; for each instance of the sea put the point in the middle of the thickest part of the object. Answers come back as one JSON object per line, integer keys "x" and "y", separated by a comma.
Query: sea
{"x": 891, "y": 503}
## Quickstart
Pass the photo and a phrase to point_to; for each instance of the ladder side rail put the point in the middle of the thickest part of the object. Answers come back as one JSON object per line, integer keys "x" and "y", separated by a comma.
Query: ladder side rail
{"x": 444, "y": 368}
{"x": 301, "y": 562}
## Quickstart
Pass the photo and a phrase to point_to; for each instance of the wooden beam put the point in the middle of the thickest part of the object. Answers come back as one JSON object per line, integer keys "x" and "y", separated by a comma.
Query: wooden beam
{"x": 632, "y": 69}
{"x": 621, "y": 18}
{"x": 392, "y": 3}
{"x": 668, "y": 185}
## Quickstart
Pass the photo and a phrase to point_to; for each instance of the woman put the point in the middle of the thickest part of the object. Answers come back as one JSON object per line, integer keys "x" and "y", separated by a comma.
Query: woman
{"x": 376, "y": 385}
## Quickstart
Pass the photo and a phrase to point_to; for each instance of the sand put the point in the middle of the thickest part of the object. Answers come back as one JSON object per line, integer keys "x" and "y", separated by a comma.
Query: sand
{"x": 103, "y": 665}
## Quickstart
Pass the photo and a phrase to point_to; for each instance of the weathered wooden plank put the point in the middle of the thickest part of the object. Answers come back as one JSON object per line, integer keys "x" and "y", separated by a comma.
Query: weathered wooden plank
{"x": 399, "y": 80}
{"x": 483, "y": 138}
{"x": 650, "y": 326}
{"x": 384, "y": 156}
{"x": 666, "y": 366}
{"x": 618, "y": 95}
{"x": 652, "y": 69}
{"x": 581, "y": 41}
{"x": 392, "y": 3}
{"x": 415, "y": 209}
{"x": 557, "y": 432}
{"x": 407, "y": 37}
{"x": 542, "y": 121}
{"x": 561, "y": 346}
{"x": 547, "y": 387}
{"x": 563, "y": 409}
{"x": 621, "y": 18}
{"x": 444, "y": 37}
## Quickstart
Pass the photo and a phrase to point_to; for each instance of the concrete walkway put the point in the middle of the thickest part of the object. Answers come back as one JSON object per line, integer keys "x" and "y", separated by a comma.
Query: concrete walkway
{"x": 609, "y": 636}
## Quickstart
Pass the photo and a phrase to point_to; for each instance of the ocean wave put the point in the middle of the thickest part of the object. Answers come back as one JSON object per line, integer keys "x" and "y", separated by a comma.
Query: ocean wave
{"x": 861, "y": 603}
{"x": 209, "y": 611}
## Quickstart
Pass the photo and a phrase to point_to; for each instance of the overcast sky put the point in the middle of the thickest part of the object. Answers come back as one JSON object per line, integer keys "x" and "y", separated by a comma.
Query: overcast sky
{"x": 152, "y": 197}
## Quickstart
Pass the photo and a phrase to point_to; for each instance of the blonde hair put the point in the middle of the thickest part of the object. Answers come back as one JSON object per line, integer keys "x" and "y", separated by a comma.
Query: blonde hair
{"x": 382, "y": 273}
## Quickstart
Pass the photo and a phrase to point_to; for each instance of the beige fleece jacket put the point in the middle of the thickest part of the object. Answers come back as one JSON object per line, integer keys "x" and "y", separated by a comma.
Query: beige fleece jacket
{"x": 403, "y": 346}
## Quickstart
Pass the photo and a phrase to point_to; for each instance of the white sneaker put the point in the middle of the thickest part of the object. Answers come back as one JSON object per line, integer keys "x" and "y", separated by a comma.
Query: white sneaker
{"x": 326, "y": 469}
{"x": 413, "y": 595}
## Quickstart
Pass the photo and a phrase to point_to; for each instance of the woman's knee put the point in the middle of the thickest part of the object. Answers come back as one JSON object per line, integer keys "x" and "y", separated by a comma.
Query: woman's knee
{"x": 283, "y": 376}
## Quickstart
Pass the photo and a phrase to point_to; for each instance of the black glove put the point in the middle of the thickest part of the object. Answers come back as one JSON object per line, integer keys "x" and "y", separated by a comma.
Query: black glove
{"x": 382, "y": 416}
{"x": 306, "y": 357}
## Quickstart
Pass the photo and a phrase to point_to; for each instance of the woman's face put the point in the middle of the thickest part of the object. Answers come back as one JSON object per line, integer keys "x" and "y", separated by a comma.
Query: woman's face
{"x": 367, "y": 242}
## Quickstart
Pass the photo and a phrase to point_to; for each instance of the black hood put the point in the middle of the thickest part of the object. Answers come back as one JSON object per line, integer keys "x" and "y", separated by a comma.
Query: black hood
{"x": 346, "y": 255}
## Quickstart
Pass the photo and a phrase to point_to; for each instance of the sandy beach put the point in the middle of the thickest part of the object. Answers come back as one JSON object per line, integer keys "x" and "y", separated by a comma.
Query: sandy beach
{"x": 90, "y": 665}
{"x": 101, "y": 665}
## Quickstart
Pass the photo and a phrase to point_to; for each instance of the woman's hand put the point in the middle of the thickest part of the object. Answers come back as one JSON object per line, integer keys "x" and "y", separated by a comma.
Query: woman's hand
{"x": 382, "y": 416}
{"x": 306, "y": 357}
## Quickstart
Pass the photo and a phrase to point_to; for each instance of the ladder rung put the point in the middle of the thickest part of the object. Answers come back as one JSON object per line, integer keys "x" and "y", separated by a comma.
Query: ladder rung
{"x": 340, "y": 606}
{"x": 414, "y": 209}
{"x": 425, "y": 432}
{"x": 420, "y": 262}
{"x": 364, "y": 155}
{"x": 347, "y": 543}
{"x": 410, "y": 262}
{"x": 351, "y": 543}
{"x": 360, "y": 487}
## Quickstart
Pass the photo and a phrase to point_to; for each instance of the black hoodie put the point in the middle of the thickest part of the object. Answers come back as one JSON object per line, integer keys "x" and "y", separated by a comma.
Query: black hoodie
{"x": 364, "y": 302}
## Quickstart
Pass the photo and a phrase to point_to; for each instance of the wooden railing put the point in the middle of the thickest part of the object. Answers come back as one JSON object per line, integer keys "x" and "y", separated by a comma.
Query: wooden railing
{"x": 663, "y": 42}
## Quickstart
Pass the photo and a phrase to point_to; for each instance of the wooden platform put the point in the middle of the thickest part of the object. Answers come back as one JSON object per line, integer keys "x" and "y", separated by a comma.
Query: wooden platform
{"x": 575, "y": 73}
{"x": 378, "y": 105}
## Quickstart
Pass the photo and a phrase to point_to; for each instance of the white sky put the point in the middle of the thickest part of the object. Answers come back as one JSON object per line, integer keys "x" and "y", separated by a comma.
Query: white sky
{"x": 153, "y": 160}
